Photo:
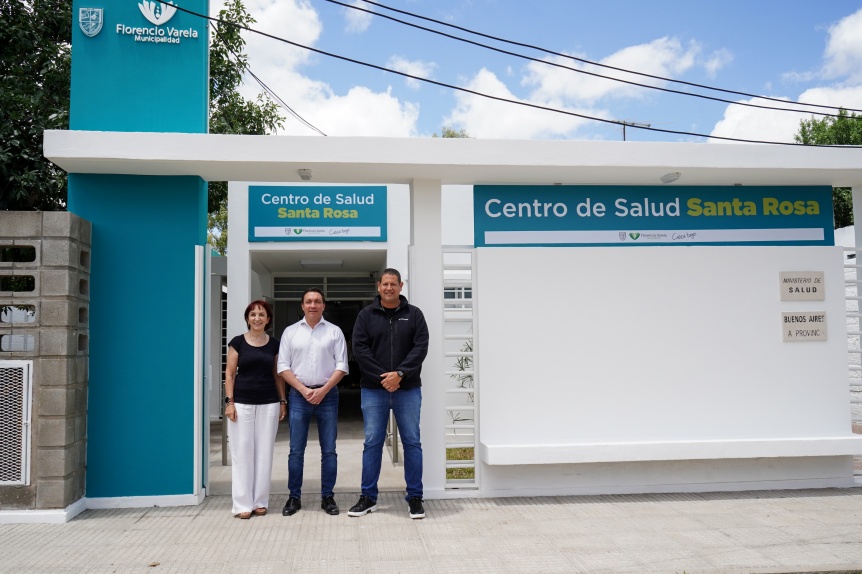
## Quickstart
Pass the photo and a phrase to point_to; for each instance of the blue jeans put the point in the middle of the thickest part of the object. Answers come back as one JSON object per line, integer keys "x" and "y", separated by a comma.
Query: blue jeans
{"x": 406, "y": 404}
{"x": 300, "y": 415}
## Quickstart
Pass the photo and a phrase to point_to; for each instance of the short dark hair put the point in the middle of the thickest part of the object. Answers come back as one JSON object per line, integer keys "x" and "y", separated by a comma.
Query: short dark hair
{"x": 390, "y": 271}
{"x": 262, "y": 304}
{"x": 313, "y": 290}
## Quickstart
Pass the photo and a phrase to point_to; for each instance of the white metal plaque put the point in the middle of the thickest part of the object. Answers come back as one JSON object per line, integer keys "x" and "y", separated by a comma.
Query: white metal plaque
{"x": 802, "y": 286}
{"x": 804, "y": 326}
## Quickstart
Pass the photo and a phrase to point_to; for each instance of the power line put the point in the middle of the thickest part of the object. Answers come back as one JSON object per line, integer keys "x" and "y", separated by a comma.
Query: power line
{"x": 590, "y": 62}
{"x": 489, "y": 96}
{"x": 577, "y": 70}
{"x": 283, "y": 103}
{"x": 262, "y": 84}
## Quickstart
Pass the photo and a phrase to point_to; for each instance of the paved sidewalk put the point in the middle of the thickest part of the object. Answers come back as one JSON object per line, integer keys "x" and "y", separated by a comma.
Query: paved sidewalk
{"x": 778, "y": 531}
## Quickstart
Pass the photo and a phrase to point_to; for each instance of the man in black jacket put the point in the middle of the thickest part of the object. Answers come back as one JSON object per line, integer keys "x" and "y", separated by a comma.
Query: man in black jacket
{"x": 390, "y": 341}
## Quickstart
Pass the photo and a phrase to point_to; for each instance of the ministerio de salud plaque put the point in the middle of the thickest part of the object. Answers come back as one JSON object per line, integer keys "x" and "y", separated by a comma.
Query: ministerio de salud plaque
{"x": 801, "y": 326}
{"x": 802, "y": 286}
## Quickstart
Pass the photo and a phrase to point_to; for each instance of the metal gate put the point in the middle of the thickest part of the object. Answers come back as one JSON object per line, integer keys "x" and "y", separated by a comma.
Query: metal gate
{"x": 854, "y": 333}
{"x": 458, "y": 344}
{"x": 16, "y": 396}
{"x": 854, "y": 340}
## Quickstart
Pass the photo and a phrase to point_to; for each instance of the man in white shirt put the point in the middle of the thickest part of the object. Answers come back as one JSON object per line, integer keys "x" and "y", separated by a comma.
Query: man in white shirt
{"x": 312, "y": 359}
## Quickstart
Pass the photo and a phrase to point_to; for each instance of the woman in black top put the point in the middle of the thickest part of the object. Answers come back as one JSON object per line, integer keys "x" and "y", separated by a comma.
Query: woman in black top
{"x": 255, "y": 403}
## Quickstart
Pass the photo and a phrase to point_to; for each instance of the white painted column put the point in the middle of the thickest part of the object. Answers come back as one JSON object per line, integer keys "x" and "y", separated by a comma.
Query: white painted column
{"x": 238, "y": 259}
{"x": 215, "y": 367}
{"x": 426, "y": 292}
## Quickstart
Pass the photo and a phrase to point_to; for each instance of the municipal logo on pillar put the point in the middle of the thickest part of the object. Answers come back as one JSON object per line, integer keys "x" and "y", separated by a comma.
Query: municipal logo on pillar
{"x": 90, "y": 21}
{"x": 622, "y": 235}
{"x": 156, "y": 12}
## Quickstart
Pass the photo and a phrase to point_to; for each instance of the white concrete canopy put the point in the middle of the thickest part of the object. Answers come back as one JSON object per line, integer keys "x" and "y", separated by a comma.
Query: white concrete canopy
{"x": 449, "y": 160}
{"x": 608, "y": 460}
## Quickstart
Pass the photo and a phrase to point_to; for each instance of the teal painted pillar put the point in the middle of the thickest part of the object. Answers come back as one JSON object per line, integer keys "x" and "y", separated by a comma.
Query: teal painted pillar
{"x": 140, "y": 65}
{"x": 141, "y": 396}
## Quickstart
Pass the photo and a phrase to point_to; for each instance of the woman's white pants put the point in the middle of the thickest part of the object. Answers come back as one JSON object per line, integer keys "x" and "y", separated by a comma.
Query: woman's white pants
{"x": 252, "y": 441}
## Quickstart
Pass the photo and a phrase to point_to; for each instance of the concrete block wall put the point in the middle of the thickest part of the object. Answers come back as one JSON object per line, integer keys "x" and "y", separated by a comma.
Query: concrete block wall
{"x": 60, "y": 340}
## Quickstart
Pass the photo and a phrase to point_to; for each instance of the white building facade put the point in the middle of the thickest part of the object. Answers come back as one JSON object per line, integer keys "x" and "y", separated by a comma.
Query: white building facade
{"x": 594, "y": 368}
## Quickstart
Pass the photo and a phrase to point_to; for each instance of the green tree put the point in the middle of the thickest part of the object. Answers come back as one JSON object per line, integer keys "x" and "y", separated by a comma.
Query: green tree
{"x": 35, "y": 73}
{"x": 450, "y": 132}
{"x": 846, "y": 129}
{"x": 217, "y": 223}
{"x": 230, "y": 113}
{"x": 35, "y": 66}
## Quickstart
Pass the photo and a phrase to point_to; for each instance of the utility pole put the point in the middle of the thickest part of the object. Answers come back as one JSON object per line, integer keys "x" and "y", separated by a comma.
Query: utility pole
{"x": 634, "y": 124}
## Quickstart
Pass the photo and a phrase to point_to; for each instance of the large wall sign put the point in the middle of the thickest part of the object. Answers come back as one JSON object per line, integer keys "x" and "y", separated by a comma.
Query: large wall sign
{"x": 571, "y": 215}
{"x": 140, "y": 65}
{"x": 312, "y": 213}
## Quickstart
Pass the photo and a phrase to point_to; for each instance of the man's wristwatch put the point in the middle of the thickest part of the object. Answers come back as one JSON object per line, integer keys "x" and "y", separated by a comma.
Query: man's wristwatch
{"x": 228, "y": 400}
{"x": 400, "y": 373}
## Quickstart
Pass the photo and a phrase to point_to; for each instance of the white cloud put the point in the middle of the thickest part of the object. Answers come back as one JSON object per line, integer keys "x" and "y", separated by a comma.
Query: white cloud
{"x": 295, "y": 20}
{"x": 359, "y": 111}
{"x": 843, "y": 56}
{"x": 716, "y": 61}
{"x": 841, "y": 96}
{"x": 561, "y": 88}
{"x": 758, "y": 124}
{"x": 768, "y": 125}
{"x": 485, "y": 118}
{"x": 798, "y": 77}
{"x": 662, "y": 57}
{"x": 842, "y": 62}
{"x": 414, "y": 68}
{"x": 357, "y": 20}
{"x": 362, "y": 112}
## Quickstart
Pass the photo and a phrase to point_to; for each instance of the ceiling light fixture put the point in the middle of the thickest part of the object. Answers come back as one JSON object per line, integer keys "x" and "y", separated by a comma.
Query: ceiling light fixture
{"x": 670, "y": 177}
{"x": 321, "y": 263}
{"x": 304, "y": 174}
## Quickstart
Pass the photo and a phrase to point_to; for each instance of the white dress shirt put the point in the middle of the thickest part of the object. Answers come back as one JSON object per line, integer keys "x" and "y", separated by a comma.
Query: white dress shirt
{"x": 312, "y": 355}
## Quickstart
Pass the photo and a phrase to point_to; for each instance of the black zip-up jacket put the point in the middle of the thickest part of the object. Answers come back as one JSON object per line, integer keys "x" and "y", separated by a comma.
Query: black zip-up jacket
{"x": 383, "y": 346}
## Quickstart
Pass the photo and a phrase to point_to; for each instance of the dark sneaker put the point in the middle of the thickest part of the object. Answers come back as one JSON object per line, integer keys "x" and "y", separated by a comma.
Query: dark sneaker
{"x": 328, "y": 505}
{"x": 291, "y": 506}
{"x": 416, "y": 509}
{"x": 363, "y": 507}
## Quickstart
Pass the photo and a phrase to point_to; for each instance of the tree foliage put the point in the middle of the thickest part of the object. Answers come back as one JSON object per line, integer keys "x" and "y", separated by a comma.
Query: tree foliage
{"x": 217, "y": 223}
{"x": 230, "y": 113}
{"x": 35, "y": 65}
{"x": 35, "y": 77}
{"x": 450, "y": 132}
{"x": 846, "y": 129}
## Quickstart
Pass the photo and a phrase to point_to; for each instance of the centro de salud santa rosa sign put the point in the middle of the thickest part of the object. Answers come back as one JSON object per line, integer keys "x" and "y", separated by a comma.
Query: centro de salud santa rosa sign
{"x": 312, "y": 213}
{"x": 611, "y": 216}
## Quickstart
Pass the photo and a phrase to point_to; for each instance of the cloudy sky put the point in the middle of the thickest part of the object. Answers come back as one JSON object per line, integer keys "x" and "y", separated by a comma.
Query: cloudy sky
{"x": 791, "y": 50}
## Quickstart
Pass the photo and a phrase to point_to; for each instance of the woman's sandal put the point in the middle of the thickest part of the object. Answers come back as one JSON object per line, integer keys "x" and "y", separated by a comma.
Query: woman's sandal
{"x": 259, "y": 511}
{"x": 244, "y": 515}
